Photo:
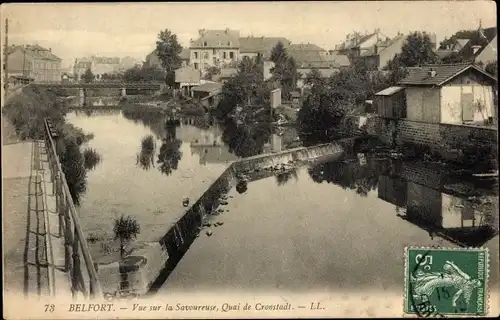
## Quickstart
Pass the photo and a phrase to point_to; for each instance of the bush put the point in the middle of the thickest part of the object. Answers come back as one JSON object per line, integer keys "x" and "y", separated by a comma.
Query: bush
{"x": 91, "y": 158}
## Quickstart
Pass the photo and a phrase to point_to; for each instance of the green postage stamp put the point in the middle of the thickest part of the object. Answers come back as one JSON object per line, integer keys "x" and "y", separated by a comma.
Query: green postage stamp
{"x": 445, "y": 281}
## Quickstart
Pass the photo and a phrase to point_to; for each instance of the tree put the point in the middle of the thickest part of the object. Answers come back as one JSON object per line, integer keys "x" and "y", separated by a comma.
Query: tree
{"x": 314, "y": 78}
{"x": 88, "y": 76}
{"x": 168, "y": 50}
{"x": 212, "y": 71}
{"x": 125, "y": 229}
{"x": 144, "y": 73}
{"x": 245, "y": 88}
{"x": 492, "y": 68}
{"x": 417, "y": 50}
{"x": 284, "y": 70}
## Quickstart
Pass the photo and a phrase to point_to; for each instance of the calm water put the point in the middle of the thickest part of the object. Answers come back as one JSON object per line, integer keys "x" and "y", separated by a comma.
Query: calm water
{"x": 336, "y": 227}
{"x": 151, "y": 185}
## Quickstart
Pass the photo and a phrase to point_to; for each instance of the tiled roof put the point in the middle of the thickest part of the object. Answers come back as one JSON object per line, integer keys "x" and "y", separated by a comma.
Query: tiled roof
{"x": 208, "y": 87}
{"x": 444, "y": 73}
{"x": 305, "y": 47}
{"x": 389, "y": 91}
{"x": 217, "y": 39}
{"x": 35, "y": 51}
{"x": 83, "y": 64}
{"x": 263, "y": 45}
{"x": 443, "y": 53}
{"x": 359, "y": 42}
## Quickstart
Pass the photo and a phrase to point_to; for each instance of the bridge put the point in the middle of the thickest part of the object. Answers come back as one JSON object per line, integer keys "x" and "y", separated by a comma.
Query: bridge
{"x": 103, "y": 85}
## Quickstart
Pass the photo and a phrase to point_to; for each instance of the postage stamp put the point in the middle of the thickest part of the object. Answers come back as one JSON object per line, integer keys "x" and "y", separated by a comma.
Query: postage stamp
{"x": 446, "y": 281}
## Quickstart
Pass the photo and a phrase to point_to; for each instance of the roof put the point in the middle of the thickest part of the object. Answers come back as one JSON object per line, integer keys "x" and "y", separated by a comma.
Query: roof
{"x": 306, "y": 47}
{"x": 263, "y": 45}
{"x": 389, "y": 91}
{"x": 35, "y": 51}
{"x": 462, "y": 42}
{"x": 443, "y": 53}
{"x": 184, "y": 55}
{"x": 217, "y": 39}
{"x": 228, "y": 72}
{"x": 444, "y": 73}
{"x": 208, "y": 87}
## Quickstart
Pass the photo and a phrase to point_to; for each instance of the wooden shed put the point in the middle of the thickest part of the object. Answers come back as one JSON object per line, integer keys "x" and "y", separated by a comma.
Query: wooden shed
{"x": 390, "y": 103}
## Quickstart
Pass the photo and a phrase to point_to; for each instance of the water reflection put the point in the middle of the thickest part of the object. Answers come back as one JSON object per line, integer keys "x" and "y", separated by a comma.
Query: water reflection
{"x": 170, "y": 154}
{"x": 246, "y": 140}
{"x": 145, "y": 158}
{"x": 283, "y": 178}
{"x": 425, "y": 196}
{"x": 361, "y": 176}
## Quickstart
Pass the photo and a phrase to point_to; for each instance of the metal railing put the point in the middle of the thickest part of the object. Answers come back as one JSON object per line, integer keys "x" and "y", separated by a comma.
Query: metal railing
{"x": 78, "y": 262}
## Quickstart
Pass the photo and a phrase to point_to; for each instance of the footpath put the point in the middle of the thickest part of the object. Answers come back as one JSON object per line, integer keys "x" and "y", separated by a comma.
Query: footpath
{"x": 27, "y": 210}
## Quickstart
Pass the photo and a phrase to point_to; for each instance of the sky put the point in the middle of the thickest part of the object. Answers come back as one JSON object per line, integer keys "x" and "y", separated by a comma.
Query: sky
{"x": 130, "y": 29}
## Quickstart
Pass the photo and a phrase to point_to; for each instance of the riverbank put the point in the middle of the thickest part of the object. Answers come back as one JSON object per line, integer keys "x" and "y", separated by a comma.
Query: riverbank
{"x": 27, "y": 112}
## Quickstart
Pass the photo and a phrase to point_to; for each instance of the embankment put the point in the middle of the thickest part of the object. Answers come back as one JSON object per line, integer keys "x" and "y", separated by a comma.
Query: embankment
{"x": 183, "y": 232}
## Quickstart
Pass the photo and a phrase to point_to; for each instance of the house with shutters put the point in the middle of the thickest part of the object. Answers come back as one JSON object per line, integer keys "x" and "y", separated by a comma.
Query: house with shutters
{"x": 449, "y": 94}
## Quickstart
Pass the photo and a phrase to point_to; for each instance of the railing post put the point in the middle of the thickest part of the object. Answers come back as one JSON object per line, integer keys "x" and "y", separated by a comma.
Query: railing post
{"x": 68, "y": 238}
{"x": 76, "y": 264}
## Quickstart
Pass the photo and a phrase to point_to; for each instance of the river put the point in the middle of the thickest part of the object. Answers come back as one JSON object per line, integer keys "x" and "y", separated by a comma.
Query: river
{"x": 186, "y": 160}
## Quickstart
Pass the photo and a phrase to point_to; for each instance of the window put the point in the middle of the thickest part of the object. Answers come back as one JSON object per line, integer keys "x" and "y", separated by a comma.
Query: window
{"x": 229, "y": 43}
{"x": 196, "y": 66}
{"x": 214, "y": 52}
{"x": 204, "y": 43}
{"x": 205, "y": 55}
{"x": 196, "y": 55}
{"x": 224, "y": 55}
{"x": 231, "y": 55}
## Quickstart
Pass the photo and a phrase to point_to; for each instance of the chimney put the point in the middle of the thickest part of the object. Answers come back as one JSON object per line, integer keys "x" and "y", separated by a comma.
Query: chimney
{"x": 227, "y": 30}
{"x": 50, "y": 49}
{"x": 432, "y": 73}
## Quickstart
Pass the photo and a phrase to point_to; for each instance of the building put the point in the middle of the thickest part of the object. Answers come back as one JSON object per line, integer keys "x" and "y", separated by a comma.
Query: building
{"x": 450, "y": 94}
{"x": 33, "y": 62}
{"x": 98, "y": 65}
{"x": 488, "y": 53}
{"x": 480, "y": 48}
{"x": 390, "y": 103}
{"x": 186, "y": 78}
{"x": 80, "y": 67}
{"x": 153, "y": 61}
{"x": 378, "y": 56}
{"x": 214, "y": 48}
{"x": 67, "y": 77}
{"x": 226, "y": 74}
{"x": 252, "y": 46}
{"x": 127, "y": 63}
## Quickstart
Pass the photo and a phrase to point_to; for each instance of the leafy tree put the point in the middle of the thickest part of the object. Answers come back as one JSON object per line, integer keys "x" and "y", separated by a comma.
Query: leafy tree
{"x": 88, "y": 76}
{"x": 245, "y": 88}
{"x": 73, "y": 166}
{"x": 126, "y": 228}
{"x": 462, "y": 34}
{"x": 417, "y": 50}
{"x": 168, "y": 50}
{"x": 492, "y": 68}
{"x": 314, "y": 78}
{"x": 212, "y": 71}
{"x": 144, "y": 73}
{"x": 284, "y": 70}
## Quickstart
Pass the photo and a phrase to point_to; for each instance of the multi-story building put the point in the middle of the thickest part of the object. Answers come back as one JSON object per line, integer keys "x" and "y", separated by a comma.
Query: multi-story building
{"x": 34, "y": 62}
{"x": 98, "y": 65}
{"x": 214, "y": 48}
{"x": 252, "y": 46}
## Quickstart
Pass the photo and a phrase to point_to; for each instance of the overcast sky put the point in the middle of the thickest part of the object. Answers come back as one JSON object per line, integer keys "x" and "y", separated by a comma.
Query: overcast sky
{"x": 76, "y": 30}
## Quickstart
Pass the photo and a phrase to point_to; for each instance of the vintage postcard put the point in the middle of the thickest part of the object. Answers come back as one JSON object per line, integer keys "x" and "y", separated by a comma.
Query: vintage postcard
{"x": 305, "y": 159}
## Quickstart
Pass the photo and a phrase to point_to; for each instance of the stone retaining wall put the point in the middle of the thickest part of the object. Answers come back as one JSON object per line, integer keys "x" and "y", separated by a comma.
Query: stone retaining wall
{"x": 183, "y": 232}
